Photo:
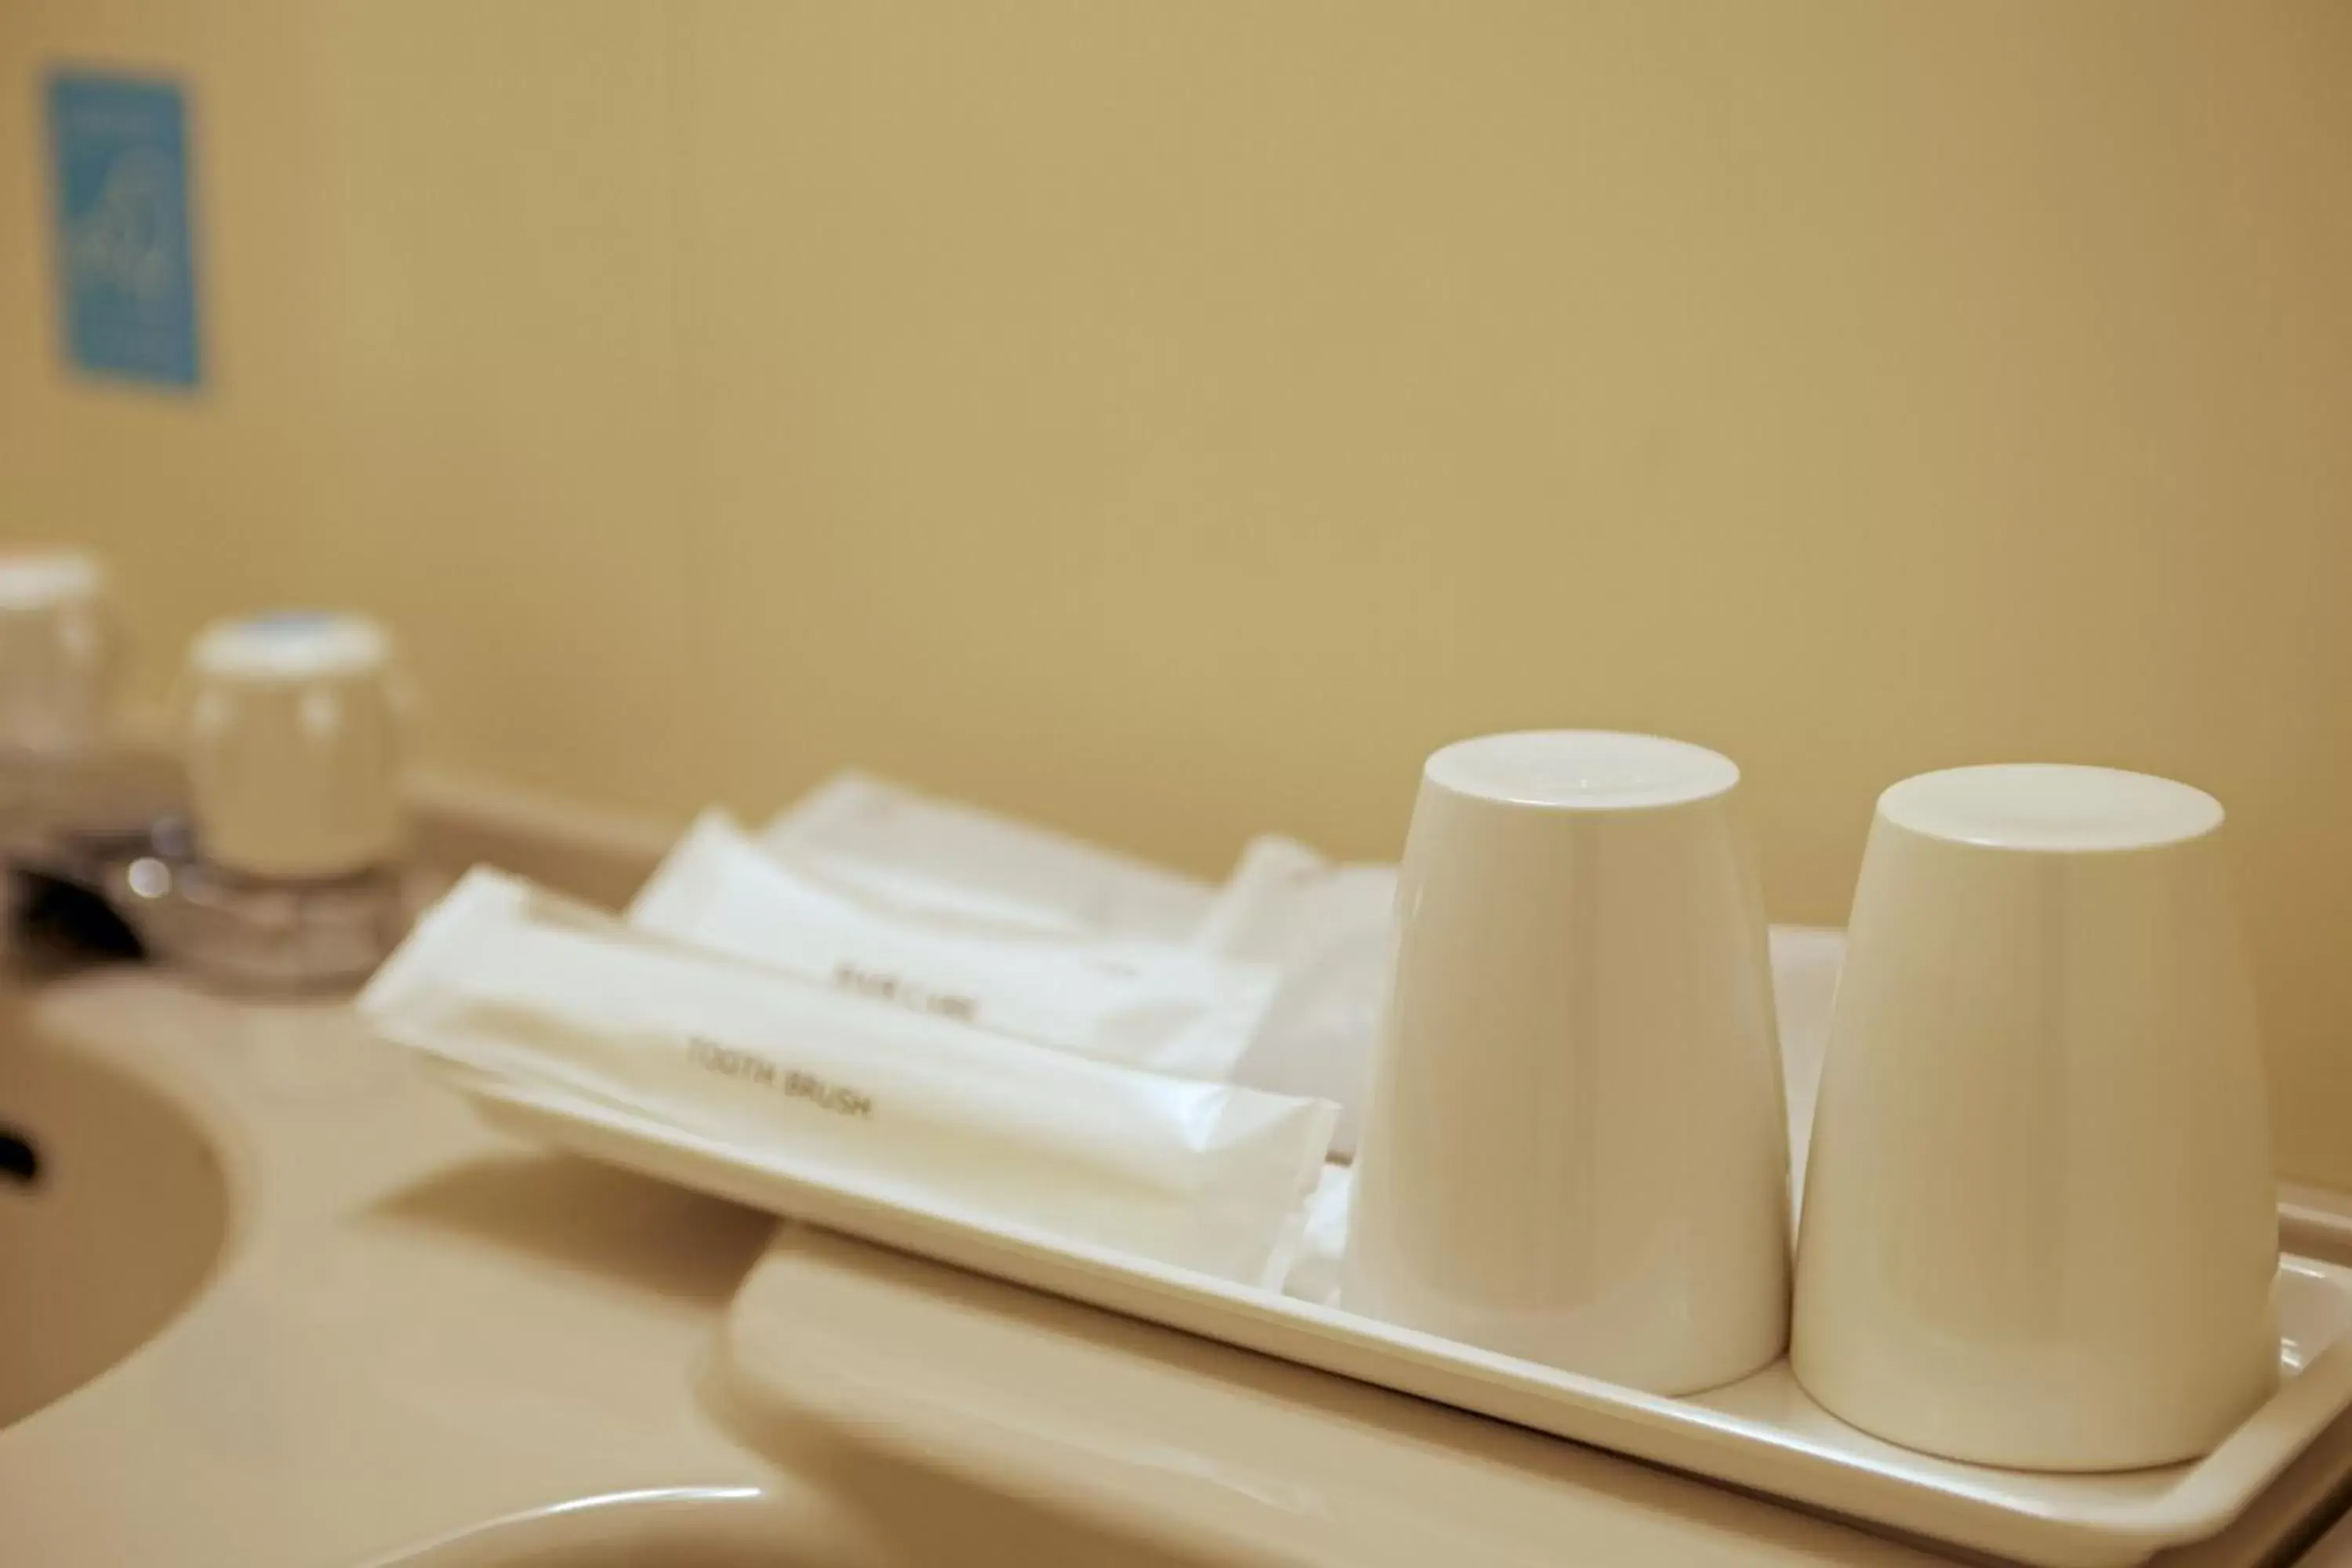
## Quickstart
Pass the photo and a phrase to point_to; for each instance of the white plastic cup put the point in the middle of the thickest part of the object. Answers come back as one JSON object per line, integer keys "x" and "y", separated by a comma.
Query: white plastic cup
{"x": 2039, "y": 1226}
{"x": 1576, "y": 1148}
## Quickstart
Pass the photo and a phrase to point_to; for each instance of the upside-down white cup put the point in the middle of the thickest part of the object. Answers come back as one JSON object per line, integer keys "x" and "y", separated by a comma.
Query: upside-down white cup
{"x": 2038, "y": 1225}
{"x": 1576, "y": 1149}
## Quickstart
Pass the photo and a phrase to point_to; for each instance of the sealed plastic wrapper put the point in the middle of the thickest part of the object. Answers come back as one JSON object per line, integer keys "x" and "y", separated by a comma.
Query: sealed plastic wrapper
{"x": 1327, "y": 930}
{"x": 883, "y": 1103}
{"x": 1323, "y": 1239}
{"x": 1180, "y": 1010}
{"x": 942, "y": 859}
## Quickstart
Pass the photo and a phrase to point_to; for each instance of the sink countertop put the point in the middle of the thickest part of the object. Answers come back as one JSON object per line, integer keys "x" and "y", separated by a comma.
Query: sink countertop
{"x": 418, "y": 1323}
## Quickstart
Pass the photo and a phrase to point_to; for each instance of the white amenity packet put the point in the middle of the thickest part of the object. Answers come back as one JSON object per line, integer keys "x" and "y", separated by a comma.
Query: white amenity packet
{"x": 1152, "y": 1005}
{"x": 917, "y": 854}
{"x": 1323, "y": 1239}
{"x": 1328, "y": 928}
{"x": 897, "y": 1106}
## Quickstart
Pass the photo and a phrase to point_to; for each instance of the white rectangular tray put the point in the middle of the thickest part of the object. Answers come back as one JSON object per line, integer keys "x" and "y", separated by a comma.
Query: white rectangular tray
{"x": 1762, "y": 1433}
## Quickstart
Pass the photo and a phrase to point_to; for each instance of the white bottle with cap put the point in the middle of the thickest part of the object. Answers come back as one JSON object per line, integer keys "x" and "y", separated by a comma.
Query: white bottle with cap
{"x": 293, "y": 747}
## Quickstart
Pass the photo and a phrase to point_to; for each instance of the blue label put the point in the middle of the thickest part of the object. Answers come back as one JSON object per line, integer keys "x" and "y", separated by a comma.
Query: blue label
{"x": 126, "y": 254}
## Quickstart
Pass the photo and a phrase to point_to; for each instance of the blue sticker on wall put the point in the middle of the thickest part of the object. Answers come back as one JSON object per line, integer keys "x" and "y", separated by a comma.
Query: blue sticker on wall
{"x": 126, "y": 249}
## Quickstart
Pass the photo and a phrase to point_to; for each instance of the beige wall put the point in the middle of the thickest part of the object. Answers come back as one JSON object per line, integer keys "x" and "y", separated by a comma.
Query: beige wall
{"x": 1171, "y": 420}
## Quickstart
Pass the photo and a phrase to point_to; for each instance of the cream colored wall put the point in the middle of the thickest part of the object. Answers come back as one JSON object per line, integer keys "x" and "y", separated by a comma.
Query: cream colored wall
{"x": 1172, "y": 420}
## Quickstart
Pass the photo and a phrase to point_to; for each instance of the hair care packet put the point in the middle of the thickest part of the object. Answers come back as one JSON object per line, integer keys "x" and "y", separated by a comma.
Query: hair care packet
{"x": 919, "y": 855}
{"x": 1174, "y": 1009}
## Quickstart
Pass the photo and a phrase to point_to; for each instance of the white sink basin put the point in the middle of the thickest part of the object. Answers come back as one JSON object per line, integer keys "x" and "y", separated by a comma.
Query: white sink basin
{"x": 862, "y": 1517}
{"x": 113, "y": 1211}
{"x": 676, "y": 1528}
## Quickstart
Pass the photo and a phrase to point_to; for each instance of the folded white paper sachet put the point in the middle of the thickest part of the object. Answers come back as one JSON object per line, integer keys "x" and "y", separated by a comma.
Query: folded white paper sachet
{"x": 1325, "y": 929}
{"x": 1155, "y": 1004}
{"x": 918, "y": 855}
{"x": 919, "y": 1112}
